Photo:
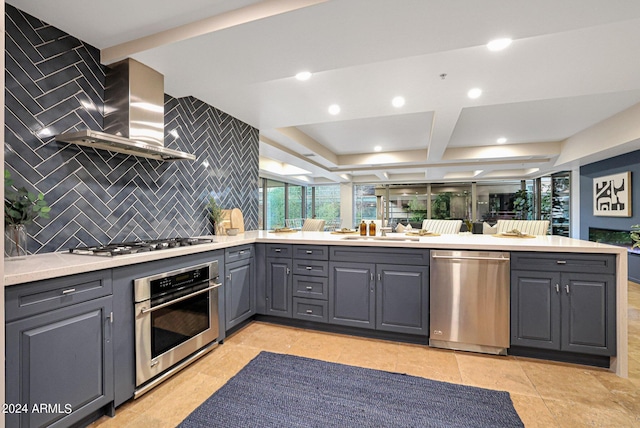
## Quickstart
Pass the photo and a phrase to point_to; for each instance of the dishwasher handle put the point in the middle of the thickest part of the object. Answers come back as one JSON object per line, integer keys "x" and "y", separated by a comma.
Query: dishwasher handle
{"x": 499, "y": 259}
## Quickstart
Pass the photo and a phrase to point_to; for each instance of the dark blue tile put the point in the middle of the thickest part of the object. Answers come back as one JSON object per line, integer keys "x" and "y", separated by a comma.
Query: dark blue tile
{"x": 17, "y": 45}
{"x": 25, "y": 22}
{"x": 56, "y": 47}
{"x": 52, "y": 65}
{"x": 50, "y": 32}
{"x": 58, "y": 78}
{"x": 24, "y": 74}
{"x": 59, "y": 111}
{"x": 64, "y": 92}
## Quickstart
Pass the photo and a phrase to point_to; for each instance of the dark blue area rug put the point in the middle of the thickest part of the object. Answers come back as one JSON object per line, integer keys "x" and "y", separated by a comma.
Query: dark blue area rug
{"x": 276, "y": 390}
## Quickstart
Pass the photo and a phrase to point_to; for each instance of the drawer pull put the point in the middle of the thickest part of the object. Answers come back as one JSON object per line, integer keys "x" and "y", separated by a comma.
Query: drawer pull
{"x": 309, "y": 252}
{"x": 241, "y": 252}
{"x": 309, "y": 268}
{"x": 309, "y": 287}
{"x": 309, "y": 311}
{"x": 277, "y": 250}
{"x": 561, "y": 262}
{"x": 68, "y": 290}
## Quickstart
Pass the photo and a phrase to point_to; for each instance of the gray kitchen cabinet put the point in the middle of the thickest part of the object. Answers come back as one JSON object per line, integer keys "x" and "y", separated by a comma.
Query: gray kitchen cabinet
{"x": 278, "y": 300}
{"x": 239, "y": 292}
{"x": 352, "y": 294}
{"x": 402, "y": 298}
{"x": 310, "y": 282}
{"x": 389, "y": 293}
{"x": 554, "y": 308}
{"x": 59, "y": 359}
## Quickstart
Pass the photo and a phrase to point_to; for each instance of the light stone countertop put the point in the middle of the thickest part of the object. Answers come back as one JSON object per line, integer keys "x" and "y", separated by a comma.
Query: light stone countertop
{"x": 52, "y": 265}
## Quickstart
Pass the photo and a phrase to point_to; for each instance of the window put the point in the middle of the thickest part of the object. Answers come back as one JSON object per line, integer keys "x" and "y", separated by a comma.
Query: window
{"x": 365, "y": 204}
{"x": 275, "y": 204}
{"x": 327, "y": 202}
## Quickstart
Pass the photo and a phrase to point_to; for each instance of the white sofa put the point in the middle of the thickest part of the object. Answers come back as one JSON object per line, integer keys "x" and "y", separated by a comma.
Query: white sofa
{"x": 531, "y": 227}
{"x": 442, "y": 226}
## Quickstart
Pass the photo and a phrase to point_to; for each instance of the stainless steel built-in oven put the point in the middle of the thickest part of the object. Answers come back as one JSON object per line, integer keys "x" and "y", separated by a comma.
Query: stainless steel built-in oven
{"x": 176, "y": 321}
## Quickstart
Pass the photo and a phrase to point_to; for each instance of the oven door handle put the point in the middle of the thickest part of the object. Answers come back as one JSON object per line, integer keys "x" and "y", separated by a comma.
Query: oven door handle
{"x": 179, "y": 299}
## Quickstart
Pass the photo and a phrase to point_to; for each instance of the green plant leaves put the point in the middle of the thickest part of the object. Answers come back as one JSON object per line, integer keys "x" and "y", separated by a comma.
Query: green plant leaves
{"x": 22, "y": 206}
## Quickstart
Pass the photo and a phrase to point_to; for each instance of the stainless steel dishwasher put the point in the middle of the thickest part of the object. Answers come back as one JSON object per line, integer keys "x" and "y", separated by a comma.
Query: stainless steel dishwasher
{"x": 469, "y": 300}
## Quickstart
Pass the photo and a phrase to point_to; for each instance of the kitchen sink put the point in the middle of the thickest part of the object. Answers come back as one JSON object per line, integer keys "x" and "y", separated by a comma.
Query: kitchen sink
{"x": 382, "y": 238}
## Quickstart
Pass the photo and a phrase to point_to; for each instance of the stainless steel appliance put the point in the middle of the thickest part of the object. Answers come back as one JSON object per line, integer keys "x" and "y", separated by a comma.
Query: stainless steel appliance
{"x": 133, "y": 247}
{"x": 176, "y": 321}
{"x": 469, "y": 300}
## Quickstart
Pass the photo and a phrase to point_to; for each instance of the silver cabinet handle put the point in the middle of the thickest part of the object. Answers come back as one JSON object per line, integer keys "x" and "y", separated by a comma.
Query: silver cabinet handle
{"x": 309, "y": 252}
{"x": 288, "y": 271}
{"x": 371, "y": 276}
{"x": 241, "y": 252}
{"x": 379, "y": 277}
{"x": 309, "y": 268}
{"x": 188, "y": 296}
{"x": 557, "y": 288}
{"x": 277, "y": 250}
{"x": 309, "y": 311}
{"x": 68, "y": 290}
{"x": 561, "y": 262}
{"x": 499, "y": 259}
{"x": 566, "y": 287}
{"x": 229, "y": 277}
{"x": 309, "y": 287}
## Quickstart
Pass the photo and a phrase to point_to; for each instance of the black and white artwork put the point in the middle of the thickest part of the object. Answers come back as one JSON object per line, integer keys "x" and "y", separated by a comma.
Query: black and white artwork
{"x": 612, "y": 195}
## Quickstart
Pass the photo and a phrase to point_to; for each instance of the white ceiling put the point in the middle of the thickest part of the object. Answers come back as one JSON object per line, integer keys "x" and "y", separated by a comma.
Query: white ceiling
{"x": 572, "y": 64}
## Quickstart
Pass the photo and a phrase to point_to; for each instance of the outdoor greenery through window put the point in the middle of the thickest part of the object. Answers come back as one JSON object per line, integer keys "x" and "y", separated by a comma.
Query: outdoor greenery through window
{"x": 281, "y": 201}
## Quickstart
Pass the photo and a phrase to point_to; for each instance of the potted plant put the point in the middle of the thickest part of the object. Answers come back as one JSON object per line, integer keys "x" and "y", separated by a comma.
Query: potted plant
{"x": 21, "y": 207}
{"x": 215, "y": 214}
{"x": 635, "y": 236}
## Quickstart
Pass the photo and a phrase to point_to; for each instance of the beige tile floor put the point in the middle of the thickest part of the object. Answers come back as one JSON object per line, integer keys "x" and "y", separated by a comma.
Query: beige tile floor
{"x": 545, "y": 394}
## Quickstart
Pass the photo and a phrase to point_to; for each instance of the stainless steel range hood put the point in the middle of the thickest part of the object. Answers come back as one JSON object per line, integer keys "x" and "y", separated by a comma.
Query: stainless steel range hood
{"x": 134, "y": 115}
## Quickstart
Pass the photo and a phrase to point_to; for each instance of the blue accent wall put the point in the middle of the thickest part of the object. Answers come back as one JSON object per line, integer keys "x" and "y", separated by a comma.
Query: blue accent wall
{"x": 54, "y": 84}
{"x": 622, "y": 163}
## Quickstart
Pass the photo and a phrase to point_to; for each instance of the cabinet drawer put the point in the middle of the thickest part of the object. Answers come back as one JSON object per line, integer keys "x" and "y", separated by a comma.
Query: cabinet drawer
{"x": 234, "y": 254}
{"x": 310, "y": 267}
{"x": 279, "y": 250}
{"x": 309, "y": 309}
{"x": 311, "y": 252}
{"x": 43, "y": 296}
{"x": 400, "y": 256}
{"x": 311, "y": 287}
{"x": 564, "y": 262}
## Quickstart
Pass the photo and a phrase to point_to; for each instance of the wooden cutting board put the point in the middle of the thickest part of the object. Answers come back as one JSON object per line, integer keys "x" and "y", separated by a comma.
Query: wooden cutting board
{"x": 237, "y": 219}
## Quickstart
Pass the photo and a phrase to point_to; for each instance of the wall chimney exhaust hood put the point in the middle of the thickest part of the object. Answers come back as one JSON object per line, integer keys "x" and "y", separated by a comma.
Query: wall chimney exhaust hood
{"x": 134, "y": 115}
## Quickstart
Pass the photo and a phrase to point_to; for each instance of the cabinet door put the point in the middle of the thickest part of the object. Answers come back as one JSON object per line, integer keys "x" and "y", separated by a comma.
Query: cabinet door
{"x": 279, "y": 296}
{"x": 58, "y": 358}
{"x": 535, "y": 309}
{"x": 240, "y": 301}
{"x": 352, "y": 294}
{"x": 402, "y": 298}
{"x": 588, "y": 313}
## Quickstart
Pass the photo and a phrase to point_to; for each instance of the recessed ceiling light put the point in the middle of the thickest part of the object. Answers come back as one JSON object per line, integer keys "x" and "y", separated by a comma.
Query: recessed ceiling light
{"x": 501, "y": 140}
{"x": 303, "y": 75}
{"x": 377, "y": 148}
{"x": 474, "y": 93}
{"x": 334, "y": 109}
{"x": 498, "y": 44}
{"x": 398, "y": 101}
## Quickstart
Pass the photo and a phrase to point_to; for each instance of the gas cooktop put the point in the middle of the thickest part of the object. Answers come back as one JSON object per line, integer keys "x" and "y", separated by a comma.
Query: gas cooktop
{"x": 115, "y": 249}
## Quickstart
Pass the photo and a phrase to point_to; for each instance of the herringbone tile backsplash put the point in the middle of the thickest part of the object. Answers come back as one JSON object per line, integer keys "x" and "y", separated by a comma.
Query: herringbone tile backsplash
{"x": 55, "y": 83}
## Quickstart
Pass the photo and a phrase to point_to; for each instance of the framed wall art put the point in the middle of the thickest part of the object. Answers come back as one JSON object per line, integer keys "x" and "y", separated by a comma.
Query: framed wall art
{"x": 612, "y": 195}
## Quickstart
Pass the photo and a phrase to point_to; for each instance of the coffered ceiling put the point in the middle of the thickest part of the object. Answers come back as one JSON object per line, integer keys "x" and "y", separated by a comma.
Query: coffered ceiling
{"x": 572, "y": 66}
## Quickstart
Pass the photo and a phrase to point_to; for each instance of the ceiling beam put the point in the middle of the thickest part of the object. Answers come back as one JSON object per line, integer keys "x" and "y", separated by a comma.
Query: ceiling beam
{"x": 254, "y": 12}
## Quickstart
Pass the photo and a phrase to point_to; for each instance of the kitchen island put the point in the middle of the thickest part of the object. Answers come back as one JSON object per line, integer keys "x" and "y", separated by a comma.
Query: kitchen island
{"x": 53, "y": 265}
{"x": 372, "y": 286}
